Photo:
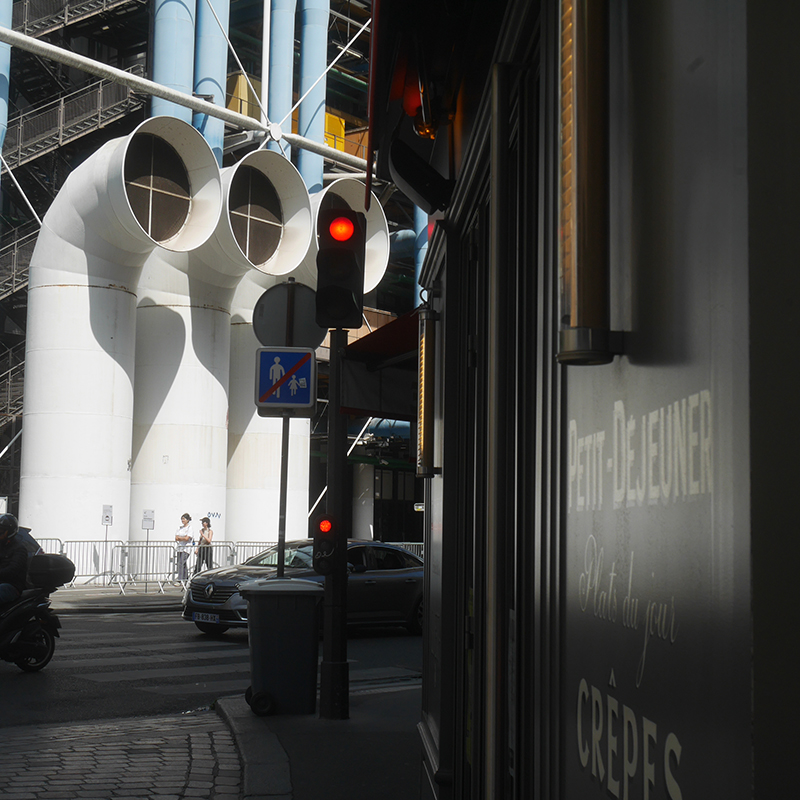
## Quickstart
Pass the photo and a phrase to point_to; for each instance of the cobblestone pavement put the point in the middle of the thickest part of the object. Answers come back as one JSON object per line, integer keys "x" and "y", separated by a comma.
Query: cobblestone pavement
{"x": 171, "y": 757}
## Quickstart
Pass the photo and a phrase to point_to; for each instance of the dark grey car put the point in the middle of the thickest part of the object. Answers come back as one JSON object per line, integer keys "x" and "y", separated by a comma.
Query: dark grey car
{"x": 384, "y": 586}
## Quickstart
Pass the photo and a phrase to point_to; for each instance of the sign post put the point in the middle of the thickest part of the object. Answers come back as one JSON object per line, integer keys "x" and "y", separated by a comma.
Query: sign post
{"x": 148, "y": 524}
{"x": 286, "y": 386}
{"x": 108, "y": 519}
{"x": 284, "y": 315}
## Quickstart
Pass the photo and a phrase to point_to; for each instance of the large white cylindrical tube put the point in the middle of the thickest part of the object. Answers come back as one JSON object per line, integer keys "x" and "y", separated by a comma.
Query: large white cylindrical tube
{"x": 159, "y": 185}
{"x": 183, "y": 343}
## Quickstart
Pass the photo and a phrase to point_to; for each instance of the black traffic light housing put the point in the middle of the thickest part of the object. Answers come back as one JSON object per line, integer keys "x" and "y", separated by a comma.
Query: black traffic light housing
{"x": 340, "y": 268}
{"x": 325, "y": 535}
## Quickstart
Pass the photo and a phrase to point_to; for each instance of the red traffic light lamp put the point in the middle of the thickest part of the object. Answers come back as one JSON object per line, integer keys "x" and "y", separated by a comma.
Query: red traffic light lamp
{"x": 341, "y": 239}
{"x": 324, "y": 547}
{"x": 341, "y": 229}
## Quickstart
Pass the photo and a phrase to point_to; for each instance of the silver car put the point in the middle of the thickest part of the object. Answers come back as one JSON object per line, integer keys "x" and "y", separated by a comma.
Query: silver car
{"x": 384, "y": 586}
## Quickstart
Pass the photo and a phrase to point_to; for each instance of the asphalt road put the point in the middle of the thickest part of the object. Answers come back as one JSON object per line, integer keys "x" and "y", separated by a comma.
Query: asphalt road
{"x": 128, "y": 665}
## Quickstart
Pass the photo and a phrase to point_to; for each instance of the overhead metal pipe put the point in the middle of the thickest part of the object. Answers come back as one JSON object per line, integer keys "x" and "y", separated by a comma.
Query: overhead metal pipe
{"x": 45, "y": 50}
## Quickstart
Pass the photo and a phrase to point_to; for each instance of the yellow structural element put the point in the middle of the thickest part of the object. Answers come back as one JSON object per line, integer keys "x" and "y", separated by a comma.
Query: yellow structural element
{"x": 242, "y": 100}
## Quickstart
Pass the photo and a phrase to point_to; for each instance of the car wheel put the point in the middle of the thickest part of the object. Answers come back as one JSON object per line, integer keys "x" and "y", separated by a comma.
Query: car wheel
{"x": 414, "y": 624}
{"x": 211, "y": 628}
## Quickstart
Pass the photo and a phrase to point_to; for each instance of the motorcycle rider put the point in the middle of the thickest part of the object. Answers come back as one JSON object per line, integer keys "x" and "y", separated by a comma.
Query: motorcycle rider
{"x": 13, "y": 560}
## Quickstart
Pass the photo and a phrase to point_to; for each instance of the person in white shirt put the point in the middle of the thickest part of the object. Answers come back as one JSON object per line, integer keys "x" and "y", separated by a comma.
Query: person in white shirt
{"x": 183, "y": 543}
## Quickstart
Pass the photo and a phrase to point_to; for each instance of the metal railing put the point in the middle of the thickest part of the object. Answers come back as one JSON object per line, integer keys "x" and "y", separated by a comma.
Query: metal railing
{"x": 12, "y": 375}
{"x": 245, "y": 550}
{"x": 37, "y": 17}
{"x": 417, "y": 548}
{"x": 113, "y": 562}
{"x": 92, "y": 559}
{"x": 47, "y": 127}
{"x": 15, "y": 258}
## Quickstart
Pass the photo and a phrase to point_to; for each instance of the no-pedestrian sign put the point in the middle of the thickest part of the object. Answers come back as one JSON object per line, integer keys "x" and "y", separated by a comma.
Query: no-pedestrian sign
{"x": 286, "y": 380}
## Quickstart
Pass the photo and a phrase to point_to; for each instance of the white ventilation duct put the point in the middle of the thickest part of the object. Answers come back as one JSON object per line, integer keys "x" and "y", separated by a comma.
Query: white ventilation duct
{"x": 158, "y": 186}
{"x": 349, "y": 193}
{"x": 183, "y": 342}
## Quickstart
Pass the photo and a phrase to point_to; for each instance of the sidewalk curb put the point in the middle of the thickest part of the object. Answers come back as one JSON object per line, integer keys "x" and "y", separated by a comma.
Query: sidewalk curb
{"x": 109, "y": 600}
{"x": 110, "y": 608}
{"x": 265, "y": 764}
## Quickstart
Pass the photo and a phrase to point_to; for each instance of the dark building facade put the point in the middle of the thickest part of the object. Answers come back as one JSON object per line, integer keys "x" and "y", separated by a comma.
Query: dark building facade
{"x": 610, "y": 548}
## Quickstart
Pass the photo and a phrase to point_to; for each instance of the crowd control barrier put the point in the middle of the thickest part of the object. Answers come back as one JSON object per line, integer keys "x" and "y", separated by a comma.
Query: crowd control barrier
{"x": 113, "y": 562}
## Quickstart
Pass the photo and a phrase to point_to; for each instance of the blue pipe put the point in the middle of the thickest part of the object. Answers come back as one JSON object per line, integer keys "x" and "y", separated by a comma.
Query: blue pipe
{"x": 314, "y": 16}
{"x": 406, "y": 243}
{"x": 211, "y": 68}
{"x": 173, "y": 54}
{"x": 6, "y": 17}
{"x": 402, "y": 244}
{"x": 6, "y": 20}
{"x": 385, "y": 428}
{"x": 281, "y": 65}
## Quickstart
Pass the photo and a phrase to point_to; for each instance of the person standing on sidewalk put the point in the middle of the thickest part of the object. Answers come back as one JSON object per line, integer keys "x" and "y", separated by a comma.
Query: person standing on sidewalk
{"x": 204, "y": 547}
{"x": 184, "y": 538}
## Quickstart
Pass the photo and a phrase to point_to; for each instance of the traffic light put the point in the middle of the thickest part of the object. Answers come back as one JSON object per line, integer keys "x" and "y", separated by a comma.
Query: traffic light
{"x": 340, "y": 268}
{"x": 325, "y": 535}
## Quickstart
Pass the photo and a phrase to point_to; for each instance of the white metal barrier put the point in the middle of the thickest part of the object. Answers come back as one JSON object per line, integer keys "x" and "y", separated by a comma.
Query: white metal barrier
{"x": 139, "y": 561}
{"x": 245, "y": 550}
{"x": 157, "y": 562}
{"x": 417, "y": 548}
{"x": 222, "y": 554}
{"x": 92, "y": 559}
{"x": 115, "y": 562}
{"x": 54, "y": 546}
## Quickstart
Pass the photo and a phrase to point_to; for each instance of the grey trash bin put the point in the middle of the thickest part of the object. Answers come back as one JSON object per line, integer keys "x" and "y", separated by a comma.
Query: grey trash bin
{"x": 283, "y": 629}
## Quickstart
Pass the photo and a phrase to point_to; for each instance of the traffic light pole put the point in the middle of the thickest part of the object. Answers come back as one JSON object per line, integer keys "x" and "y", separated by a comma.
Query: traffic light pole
{"x": 334, "y": 694}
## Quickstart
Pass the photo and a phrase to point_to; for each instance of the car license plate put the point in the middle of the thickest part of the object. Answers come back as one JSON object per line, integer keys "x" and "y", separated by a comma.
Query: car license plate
{"x": 202, "y": 616}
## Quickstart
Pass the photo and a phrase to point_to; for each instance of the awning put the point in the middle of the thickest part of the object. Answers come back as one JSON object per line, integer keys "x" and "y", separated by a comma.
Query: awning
{"x": 380, "y": 371}
{"x": 396, "y": 339}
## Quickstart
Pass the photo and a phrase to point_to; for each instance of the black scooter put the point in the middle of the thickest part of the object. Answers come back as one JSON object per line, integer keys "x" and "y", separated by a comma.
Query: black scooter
{"x": 28, "y": 626}
{"x": 28, "y": 630}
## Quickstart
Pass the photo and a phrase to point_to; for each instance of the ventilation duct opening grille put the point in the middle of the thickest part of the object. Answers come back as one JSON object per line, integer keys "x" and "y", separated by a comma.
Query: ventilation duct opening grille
{"x": 157, "y": 185}
{"x": 256, "y": 215}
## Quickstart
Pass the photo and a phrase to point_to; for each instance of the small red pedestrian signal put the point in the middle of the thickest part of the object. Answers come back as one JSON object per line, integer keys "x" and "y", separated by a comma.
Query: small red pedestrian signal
{"x": 324, "y": 545}
{"x": 341, "y": 229}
